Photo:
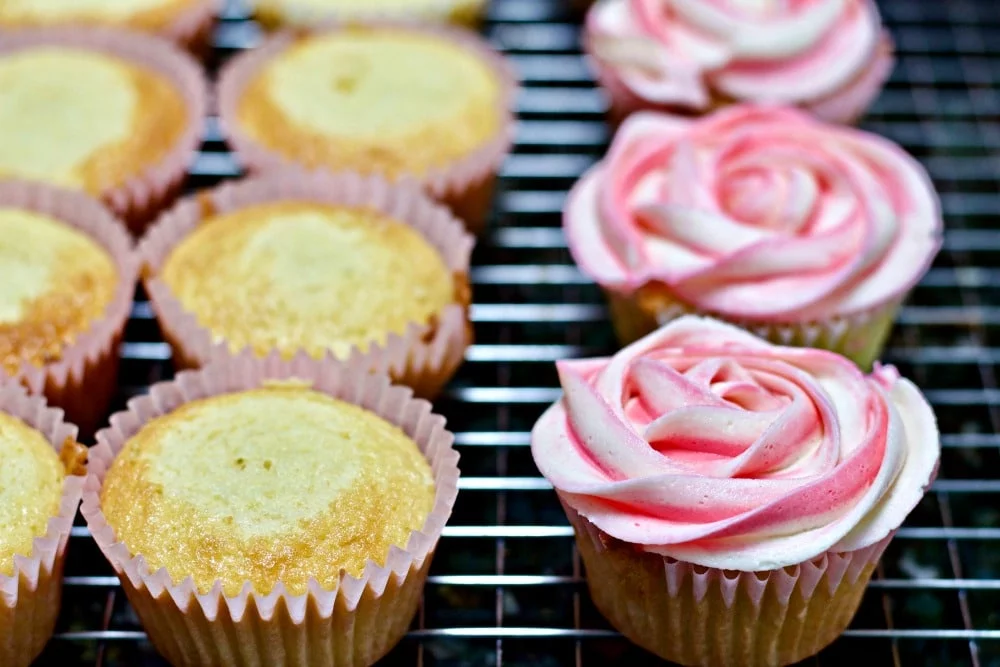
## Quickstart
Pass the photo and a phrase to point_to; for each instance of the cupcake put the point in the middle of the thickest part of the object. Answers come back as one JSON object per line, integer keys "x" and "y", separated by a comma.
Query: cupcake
{"x": 187, "y": 22}
{"x": 111, "y": 113}
{"x": 804, "y": 233}
{"x": 428, "y": 104}
{"x": 273, "y": 513}
{"x": 40, "y": 484}
{"x": 277, "y": 13}
{"x": 830, "y": 57}
{"x": 731, "y": 498}
{"x": 67, "y": 276}
{"x": 327, "y": 265}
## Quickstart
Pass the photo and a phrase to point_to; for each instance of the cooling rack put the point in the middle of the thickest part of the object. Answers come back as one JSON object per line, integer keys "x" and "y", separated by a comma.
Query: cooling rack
{"x": 506, "y": 586}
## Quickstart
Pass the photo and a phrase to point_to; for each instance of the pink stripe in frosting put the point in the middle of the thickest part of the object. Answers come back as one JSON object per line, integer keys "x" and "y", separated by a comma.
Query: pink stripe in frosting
{"x": 705, "y": 444}
{"x": 685, "y": 53}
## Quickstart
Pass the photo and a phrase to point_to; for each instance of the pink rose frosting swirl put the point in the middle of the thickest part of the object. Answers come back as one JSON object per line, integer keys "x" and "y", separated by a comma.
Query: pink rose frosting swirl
{"x": 756, "y": 213}
{"x": 829, "y": 55}
{"x": 704, "y": 443}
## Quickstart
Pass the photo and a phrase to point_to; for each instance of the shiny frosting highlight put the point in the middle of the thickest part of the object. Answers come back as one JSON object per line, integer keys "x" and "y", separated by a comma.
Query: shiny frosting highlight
{"x": 756, "y": 212}
{"x": 706, "y": 444}
{"x": 828, "y": 54}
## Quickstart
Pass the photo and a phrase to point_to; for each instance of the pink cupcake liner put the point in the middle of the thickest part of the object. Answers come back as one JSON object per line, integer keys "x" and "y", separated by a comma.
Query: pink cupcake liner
{"x": 192, "y": 28}
{"x": 466, "y": 185}
{"x": 142, "y": 196}
{"x": 458, "y": 12}
{"x": 32, "y": 594}
{"x": 355, "y": 623}
{"x": 705, "y": 617}
{"x": 858, "y": 336}
{"x": 422, "y": 357}
{"x": 83, "y": 381}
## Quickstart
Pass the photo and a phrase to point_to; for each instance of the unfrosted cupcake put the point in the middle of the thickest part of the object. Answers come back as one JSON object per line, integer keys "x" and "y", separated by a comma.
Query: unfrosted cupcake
{"x": 277, "y": 13}
{"x": 320, "y": 264}
{"x": 731, "y": 498}
{"x": 188, "y": 22}
{"x": 830, "y": 57}
{"x": 273, "y": 513}
{"x": 67, "y": 275}
{"x": 429, "y": 105}
{"x": 40, "y": 484}
{"x": 805, "y": 233}
{"x": 111, "y": 113}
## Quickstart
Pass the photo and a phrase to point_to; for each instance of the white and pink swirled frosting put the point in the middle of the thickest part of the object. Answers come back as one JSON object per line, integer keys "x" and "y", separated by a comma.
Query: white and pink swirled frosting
{"x": 756, "y": 212}
{"x": 705, "y": 444}
{"x": 828, "y": 55}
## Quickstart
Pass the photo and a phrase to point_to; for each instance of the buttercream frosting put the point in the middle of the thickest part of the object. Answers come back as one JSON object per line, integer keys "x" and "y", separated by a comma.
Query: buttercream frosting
{"x": 689, "y": 53}
{"x": 757, "y": 213}
{"x": 706, "y": 444}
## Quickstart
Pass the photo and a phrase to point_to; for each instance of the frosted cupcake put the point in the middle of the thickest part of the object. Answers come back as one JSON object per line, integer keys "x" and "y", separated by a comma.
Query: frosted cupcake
{"x": 273, "y": 513}
{"x": 830, "y": 57}
{"x": 277, "y": 13}
{"x": 188, "y": 22}
{"x": 805, "y": 233}
{"x": 318, "y": 264}
{"x": 40, "y": 484}
{"x": 731, "y": 498}
{"x": 423, "y": 104}
{"x": 111, "y": 113}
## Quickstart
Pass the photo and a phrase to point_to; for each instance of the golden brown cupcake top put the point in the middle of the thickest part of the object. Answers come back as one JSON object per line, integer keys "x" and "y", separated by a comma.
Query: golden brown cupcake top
{"x": 55, "y": 281}
{"x": 296, "y": 275}
{"x": 280, "y": 483}
{"x": 31, "y": 481}
{"x": 380, "y": 100}
{"x": 83, "y": 119}
{"x": 273, "y": 13}
{"x": 139, "y": 14}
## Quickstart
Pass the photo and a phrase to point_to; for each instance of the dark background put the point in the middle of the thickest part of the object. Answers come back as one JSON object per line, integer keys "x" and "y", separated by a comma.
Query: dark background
{"x": 506, "y": 585}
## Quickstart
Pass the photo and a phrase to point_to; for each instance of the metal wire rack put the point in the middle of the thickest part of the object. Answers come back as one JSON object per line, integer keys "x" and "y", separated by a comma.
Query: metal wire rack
{"x": 507, "y": 586}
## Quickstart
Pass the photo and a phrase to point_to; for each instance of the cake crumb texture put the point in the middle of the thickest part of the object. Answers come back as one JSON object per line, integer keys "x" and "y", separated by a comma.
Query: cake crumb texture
{"x": 298, "y": 275}
{"x": 280, "y": 483}
{"x": 54, "y": 282}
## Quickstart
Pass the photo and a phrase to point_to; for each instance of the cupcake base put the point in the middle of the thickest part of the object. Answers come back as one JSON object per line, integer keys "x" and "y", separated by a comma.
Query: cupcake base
{"x": 860, "y": 337}
{"x": 352, "y": 624}
{"x": 703, "y": 617}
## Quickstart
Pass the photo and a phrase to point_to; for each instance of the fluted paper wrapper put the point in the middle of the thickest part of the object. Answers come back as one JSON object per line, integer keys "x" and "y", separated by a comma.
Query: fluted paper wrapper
{"x": 706, "y": 617}
{"x": 423, "y": 357}
{"x": 859, "y": 336}
{"x": 355, "y": 624}
{"x": 144, "y": 194}
{"x": 274, "y": 14}
{"x": 32, "y": 594}
{"x": 466, "y": 184}
{"x": 192, "y": 28}
{"x": 83, "y": 380}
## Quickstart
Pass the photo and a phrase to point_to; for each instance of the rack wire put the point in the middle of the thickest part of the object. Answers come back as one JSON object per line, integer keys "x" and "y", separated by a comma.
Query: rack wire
{"x": 507, "y": 586}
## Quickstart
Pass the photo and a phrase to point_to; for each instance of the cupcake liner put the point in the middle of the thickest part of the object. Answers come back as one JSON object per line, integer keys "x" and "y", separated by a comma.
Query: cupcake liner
{"x": 467, "y": 13}
{"x": 858, "y": 336}
{"x": 354, "y": 624}
{"x": 31, "y": 595}
{"x": 192, "y": 28}
{"x": 466, "y": 185}
{"x": 83, "y": 381}
{"x": 143, "y": 195}
{"x": 423, "y": 357}
{"x": 707, "y": 617}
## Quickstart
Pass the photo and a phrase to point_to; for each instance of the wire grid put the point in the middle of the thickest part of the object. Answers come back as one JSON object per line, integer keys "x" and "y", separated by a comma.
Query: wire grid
{"x": 506, "y": 585}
